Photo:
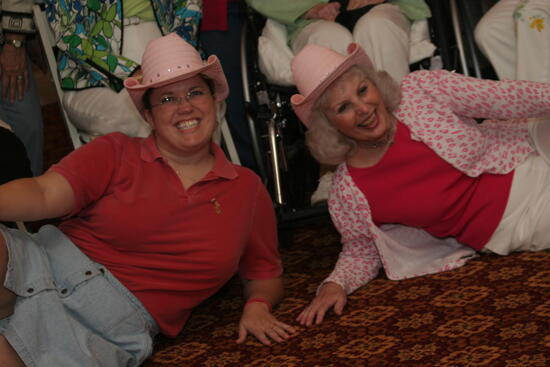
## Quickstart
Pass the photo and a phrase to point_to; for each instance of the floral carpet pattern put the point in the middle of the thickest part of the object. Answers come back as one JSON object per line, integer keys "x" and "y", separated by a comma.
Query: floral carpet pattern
{"x": 493, "y": 312}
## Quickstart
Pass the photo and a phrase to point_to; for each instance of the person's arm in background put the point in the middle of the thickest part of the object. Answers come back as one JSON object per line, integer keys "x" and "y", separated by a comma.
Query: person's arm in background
{"x": 260, "y": 268}
{"x": 17, "y": 23}
{"x": 356, "y": 4}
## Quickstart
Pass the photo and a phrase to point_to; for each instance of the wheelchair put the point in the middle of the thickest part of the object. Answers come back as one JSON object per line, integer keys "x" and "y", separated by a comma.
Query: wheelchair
{"x": 284, "y": 164}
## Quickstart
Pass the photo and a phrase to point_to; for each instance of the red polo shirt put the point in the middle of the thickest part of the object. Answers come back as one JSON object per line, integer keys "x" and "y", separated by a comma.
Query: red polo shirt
{"x": 171, "y": 247}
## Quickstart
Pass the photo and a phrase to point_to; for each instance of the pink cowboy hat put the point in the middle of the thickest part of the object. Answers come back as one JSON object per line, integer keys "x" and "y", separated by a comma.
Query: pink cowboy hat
{"x": 314, "y": 68}
{"x": 169, "y": 59}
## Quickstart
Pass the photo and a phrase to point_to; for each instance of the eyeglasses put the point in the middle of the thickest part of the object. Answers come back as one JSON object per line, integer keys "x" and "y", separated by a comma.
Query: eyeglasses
{"x": 194, "y": 97}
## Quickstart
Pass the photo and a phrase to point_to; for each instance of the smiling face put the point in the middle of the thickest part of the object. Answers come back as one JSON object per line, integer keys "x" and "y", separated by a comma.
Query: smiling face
{"x": 182, "y": 116}
{"x": 354, "y": 106}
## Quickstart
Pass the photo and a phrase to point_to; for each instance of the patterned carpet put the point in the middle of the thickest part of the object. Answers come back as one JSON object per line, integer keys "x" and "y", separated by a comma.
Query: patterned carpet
{"x": 493, "y": 312}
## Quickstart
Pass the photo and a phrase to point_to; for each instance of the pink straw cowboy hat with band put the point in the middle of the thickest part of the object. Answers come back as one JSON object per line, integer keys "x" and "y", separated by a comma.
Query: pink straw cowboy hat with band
{"x": 314, "y": 68}
{"x": 169, "y": 59}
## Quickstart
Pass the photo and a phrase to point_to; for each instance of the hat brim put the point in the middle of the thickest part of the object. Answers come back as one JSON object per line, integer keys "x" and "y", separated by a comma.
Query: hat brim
{"x": 303, "y": 105}
{"x": 212, "y": 70}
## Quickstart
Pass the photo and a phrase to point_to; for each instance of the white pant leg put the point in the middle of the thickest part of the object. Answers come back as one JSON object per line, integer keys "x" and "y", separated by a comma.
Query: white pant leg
{"x": 525, "y": 225}
{"x": 533, "y": 41}
{"x": 323, "y": 33}
{"x": 384, "y": 34}
{"x": 496, "y": 38}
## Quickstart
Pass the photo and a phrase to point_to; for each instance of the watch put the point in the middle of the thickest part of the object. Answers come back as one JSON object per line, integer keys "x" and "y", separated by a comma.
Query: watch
{"x": 15, "y": 43}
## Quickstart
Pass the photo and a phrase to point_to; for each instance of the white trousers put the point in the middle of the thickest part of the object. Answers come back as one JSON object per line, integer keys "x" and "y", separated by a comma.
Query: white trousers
{"x": 383, "y": 33}
{"x": 525, "y": 225}
{"x": 514, "y": 35}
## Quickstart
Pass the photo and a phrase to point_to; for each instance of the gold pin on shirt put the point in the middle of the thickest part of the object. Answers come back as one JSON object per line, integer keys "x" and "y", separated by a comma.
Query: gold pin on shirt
{"x": 217, "y": 205}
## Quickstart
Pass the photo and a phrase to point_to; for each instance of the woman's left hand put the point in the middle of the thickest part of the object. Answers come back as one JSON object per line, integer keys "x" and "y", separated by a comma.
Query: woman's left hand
{"x": 258, "y": 321}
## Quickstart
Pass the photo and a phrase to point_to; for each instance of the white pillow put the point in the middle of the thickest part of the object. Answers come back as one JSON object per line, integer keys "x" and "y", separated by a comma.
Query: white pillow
{"x": 420, "y": 45}
{"x": 274, "y": 54}
{"x": 99, "y": 111}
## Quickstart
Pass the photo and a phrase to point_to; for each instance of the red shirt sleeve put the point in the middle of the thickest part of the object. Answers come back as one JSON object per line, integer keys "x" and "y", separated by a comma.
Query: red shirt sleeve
{"x": 261, "y": 259}
{"x": 89, "y": 169}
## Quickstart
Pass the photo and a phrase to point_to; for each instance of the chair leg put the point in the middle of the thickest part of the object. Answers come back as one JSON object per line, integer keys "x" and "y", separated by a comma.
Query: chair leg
{"x": 458, "y": 37}
{"x": 275, "y": 159}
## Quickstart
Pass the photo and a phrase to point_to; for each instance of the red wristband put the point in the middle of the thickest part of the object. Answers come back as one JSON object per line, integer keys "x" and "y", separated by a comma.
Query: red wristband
{"x": 259, "y": 299}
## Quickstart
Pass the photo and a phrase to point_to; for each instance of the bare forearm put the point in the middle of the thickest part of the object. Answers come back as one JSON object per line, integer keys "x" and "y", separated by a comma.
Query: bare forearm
{"x": 21, "y": 200}
{"x": 29, "y": 199}
{"x": 355, "y": 4}
{"x": 270, "y": 289}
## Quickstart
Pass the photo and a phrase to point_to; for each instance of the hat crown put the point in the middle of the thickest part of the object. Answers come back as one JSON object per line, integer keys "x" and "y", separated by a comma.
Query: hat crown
{"x": 312, "y": 65}
{"x": 167, "y": 56}
{"x": 314, "y": 68}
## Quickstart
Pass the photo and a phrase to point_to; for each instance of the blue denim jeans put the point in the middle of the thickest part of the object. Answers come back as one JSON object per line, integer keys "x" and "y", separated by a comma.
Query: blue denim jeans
{"x": 70, "y": 311}
{"x": 25, "y": 118}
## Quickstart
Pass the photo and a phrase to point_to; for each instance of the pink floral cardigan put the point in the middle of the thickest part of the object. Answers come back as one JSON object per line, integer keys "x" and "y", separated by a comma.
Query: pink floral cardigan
{"x": 439, "y": 108}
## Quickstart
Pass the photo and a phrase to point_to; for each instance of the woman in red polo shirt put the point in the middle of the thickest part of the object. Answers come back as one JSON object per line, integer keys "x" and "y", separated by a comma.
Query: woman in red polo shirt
{"x": 421, "y": 185}
{"x": 151, "y": 228}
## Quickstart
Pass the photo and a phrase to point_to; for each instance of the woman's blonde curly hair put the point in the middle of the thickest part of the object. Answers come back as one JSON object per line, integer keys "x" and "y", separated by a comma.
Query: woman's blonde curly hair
{"x": 328, "y": 145}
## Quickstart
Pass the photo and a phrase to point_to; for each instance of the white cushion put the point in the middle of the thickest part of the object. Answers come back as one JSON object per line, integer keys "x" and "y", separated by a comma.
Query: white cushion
{"x": 99, "y": 111}
{"x": 274, "y": 54}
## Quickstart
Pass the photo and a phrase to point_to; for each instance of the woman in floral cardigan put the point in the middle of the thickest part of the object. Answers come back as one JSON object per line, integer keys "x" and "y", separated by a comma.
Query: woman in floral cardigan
{"x": 421, "y": 185}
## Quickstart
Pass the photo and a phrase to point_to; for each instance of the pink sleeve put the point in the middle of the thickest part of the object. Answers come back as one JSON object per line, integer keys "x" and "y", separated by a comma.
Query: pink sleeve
{"x": 358, "y": 262}
{"x": 479, "y": 98}
{"x": 261, "y": 259}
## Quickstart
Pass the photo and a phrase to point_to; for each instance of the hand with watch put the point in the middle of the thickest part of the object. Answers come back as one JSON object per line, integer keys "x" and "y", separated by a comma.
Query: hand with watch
{"x": 13, "y": 66}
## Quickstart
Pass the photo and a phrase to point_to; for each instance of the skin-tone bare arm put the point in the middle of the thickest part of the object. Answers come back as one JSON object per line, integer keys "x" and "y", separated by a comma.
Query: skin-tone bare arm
{"x": 354, "y": 4}
{"x": 36, "y": 198}
{"x": 328, "y": 11}
{"x": 257, "y": 319}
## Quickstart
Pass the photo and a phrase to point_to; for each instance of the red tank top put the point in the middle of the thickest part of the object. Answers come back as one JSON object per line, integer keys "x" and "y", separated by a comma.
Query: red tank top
{"x": 413, "y": 186}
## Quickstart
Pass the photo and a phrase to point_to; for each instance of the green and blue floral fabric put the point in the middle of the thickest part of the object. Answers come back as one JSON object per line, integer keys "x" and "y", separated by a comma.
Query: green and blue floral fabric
{"x": 88, "y": 34}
